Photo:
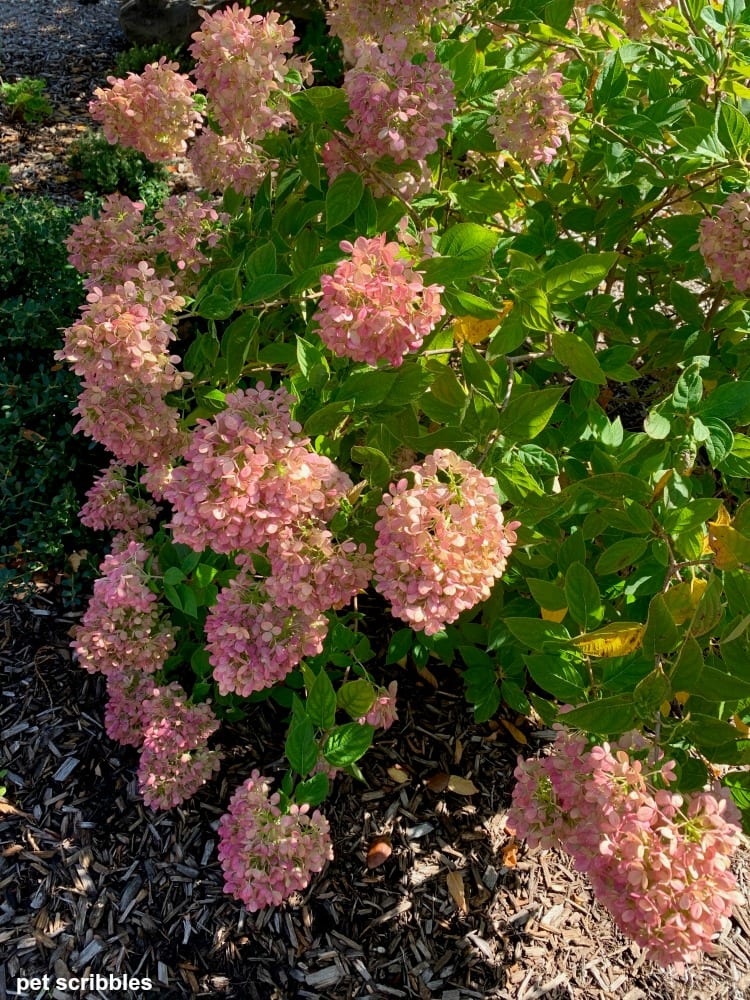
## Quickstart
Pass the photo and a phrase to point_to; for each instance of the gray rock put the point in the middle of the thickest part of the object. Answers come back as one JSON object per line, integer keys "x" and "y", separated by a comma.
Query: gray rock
{"x": 170, "y": 22}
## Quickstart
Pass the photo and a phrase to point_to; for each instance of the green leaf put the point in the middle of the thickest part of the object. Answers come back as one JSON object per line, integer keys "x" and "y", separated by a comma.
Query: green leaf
{"x": 238, "y": 341}
{"x": 219, "y": 295}
{"x": 660, "y": 635}
{"x": 322, "y": 105}
{"x": 313, "y": 791}
{"x": 650, "y": 693}
{"x": 300, "y": 748}
{"x": 535, "y": 633}
{"x": 611, "y": 716}
{"x": 348, "y": 743}
{"x": 342, "y": 198}
{"x": 375, "y": 466}
{"x": 267, "y": 286}
{"x": 527, "y": 415}
{"x": 734, "y": 129}
{"x": 583, "y": 597}
{"x": 400, "y": 644}
{"x": 479, "y": 374}
{"x": 688, "y": 391}
{"x": 468, "y": 242}
{"x": 356, "y": 698}
{"x": 567, "y": 281}
{"x": 716, "y": 685}
{"x": 321, "y": 702}
{"x": 534, "y": 308}
{"x": 575, "y": 354}
{"x": 610, "y": 82}
{"x": 620, "y": 554}
{"x": 547, "y": 595}
{"x": 557, "y": 676}
{"x": 720, "y": 441}
{"x": 657, "y": 426}
{"x": 687, "y": 669}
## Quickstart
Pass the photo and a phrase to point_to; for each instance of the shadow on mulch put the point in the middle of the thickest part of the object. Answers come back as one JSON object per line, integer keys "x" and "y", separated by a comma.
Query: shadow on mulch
{"x": 92, "y": 882}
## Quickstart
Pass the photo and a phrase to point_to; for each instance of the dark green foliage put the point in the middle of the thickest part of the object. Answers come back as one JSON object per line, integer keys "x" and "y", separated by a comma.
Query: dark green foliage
{"x": 137, "y": 57}
{"x": 105, "y": 168}
{"x": 44, "y": 468}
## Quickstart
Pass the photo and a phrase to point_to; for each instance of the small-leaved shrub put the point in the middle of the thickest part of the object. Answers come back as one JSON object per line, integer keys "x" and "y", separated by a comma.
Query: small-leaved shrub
{"x": 105, "y": 168}
{"x": 26, "y": 100}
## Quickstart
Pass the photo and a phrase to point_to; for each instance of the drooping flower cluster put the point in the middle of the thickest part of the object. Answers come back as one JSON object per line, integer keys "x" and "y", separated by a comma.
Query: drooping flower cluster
{"x": 175, "y": 759}
{"x": 399, "y": 110}
{"x": 657, "y": 859}
{"x": 441, "y": 542}
{"x": 253, "y": 642}
{"x": 122, "y": 629}
{"x": 375, "y": 306}
{"x": 267, "y": 855}
{"x": 355, "y": 21}
{"x": 221, "y": 162}
{"x": 243, "y": 64}
{"x": 107, "y": 246}
{"x": 152, "y": 112}
{"x": 110, "y": 507}
{"x": 724, "y": 241}
{"x": 532, "y": 117}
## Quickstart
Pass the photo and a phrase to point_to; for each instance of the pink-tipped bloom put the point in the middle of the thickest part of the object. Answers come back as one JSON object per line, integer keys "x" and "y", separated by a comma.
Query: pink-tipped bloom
{"x": 382, "y": 713}
{"x": 221, "y": 162}
{"x": 253, "y": 643}
{"x": 532, "y": 117}
{"x": 658, "y": 860}
{"x": 398, "y": 109}
{"x": 355, "y": 21}
{"x": 267, "y": 855}
{"x": 375, "y": 307}
{"x": 724, "y": 241}
{"x": 243, "y": 62}
{"x": 106, "y": 247}
{"x": 441, "y": 542}
{"x": 152, "y": 112}
{"x": 175, "y": 760}
{"x": 247, "y": 474}
{"x": 188, "y": 226}
{"x": 122, "y": 630}
{"x": 110, "y": 507}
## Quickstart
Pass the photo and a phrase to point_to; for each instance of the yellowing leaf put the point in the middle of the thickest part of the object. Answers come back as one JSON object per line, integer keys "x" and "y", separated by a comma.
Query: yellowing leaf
{"x": 455, "y": 882}
{"x": 682, "y": 599}
{"x": 554, "y": 616}
{"x": 470, "y": 330}
{"x": 617, "y": 639}
{"x": 665, "y": 708}
{"x": 379, "y": 851}
{"x": 730, "y": 548}
{"x": 461, "y": 786}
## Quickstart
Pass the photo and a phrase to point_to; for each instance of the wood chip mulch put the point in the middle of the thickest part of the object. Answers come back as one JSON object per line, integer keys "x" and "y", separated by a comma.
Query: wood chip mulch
{"x": 93, "y": 882}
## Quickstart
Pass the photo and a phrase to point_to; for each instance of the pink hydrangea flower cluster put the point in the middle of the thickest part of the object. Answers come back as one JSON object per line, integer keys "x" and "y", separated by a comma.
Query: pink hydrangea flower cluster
{"x": 175, "y": 760}
{"x": 354, "y": 21}
{"x": 532, "y": 117}
{"x": 267, "y": 855}
{"x": 375, "y": 306}
{"x": 243, "y": 64}
{"x": 311, "y": 571}
{"x": 399, "y": 110}
{"x": 119, "y": 348}
{"x": 248, "y": 473}
{"x": 110, "y": 507}
{"x": 152, "y": 112}
{"x": 441, "y": 542}
{"x": 631, "y": 12}
{"x": 107, "y": 246}
{"x": 253, "y": 642}
{"x": 659, "y": 860}
{"x": 221, "y": 162}
{"x": 724, "y": 241}
{"x": 122, "y": 628}
{"x": 382, "y": 713}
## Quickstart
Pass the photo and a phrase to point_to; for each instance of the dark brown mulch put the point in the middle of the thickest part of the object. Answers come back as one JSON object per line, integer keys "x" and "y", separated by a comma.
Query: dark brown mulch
{"x": 91, "y": 881}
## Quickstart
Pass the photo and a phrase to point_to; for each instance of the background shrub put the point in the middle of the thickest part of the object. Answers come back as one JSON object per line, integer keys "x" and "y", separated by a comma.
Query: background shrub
{"x": 45, "y": 468}
{"x": 105, "y": 169}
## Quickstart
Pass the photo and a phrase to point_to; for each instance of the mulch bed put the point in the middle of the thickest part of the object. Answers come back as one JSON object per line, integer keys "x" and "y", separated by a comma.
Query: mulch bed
{"x": 93, "y": 882}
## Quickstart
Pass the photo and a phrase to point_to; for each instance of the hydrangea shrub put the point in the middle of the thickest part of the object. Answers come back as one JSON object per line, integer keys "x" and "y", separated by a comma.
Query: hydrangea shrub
{"x": 467, "y": 334}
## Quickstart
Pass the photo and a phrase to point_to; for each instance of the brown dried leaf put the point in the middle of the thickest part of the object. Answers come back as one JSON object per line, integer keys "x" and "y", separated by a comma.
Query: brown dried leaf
{"x": 455, "y": 881}
{"x": 379, "y": 851}
{"x": 458, "y": 751}
{"x": 438, "y": 781}
{"x": 510, "y": 854}
{"x": 398, "y": 774}
{"x": 515, "y": 732}
{"x": 461, "y": 786}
